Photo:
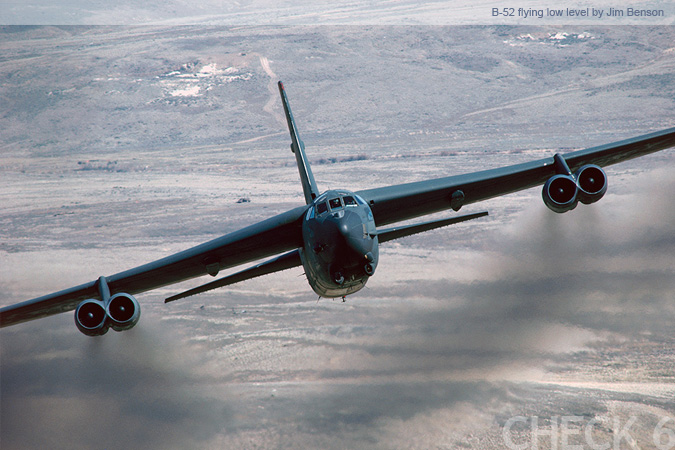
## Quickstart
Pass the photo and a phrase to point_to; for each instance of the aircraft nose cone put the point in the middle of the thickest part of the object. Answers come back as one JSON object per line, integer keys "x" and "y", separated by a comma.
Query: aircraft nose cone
{"x": 352, "y": 229}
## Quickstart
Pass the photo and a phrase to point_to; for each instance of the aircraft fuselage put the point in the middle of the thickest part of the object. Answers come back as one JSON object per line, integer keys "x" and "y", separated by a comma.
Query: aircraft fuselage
{"x": 340, "y": 250}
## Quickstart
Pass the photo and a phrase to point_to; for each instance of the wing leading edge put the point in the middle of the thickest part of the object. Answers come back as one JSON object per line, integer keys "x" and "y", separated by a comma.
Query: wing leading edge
{"x": 406, "y": 201}
{"x": 270, "y": 237}
{"x": 280, "y": 237}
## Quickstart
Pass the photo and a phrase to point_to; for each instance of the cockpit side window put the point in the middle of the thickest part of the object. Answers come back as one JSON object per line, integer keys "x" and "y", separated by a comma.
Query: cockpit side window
{"x": 349, "y": 200}
{"x": 321, "y": 208}
{"x": 335, "y": 203}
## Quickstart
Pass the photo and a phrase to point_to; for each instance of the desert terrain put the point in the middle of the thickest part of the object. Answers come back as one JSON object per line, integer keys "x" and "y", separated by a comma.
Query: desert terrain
{"x": 526, "y": 329}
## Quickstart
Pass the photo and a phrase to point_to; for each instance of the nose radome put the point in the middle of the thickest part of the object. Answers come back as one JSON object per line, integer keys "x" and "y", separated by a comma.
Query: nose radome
{"x": 351, "y": 227}
{"x": 348, "y": 223}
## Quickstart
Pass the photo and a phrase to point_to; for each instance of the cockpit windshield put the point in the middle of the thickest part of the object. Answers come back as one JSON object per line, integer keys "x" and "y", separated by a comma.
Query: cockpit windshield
{"x": 344, "y": 200}
{"x": 349, "y": 200}
{"x": 335, "y": 204}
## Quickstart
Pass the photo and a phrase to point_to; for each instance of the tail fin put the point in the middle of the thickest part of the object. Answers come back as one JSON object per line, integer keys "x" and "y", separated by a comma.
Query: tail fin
{"x": 298, "y": 147}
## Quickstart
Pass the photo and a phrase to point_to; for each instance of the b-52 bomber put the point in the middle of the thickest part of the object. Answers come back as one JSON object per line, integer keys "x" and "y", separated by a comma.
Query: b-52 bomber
{"x": 335, "y": 236}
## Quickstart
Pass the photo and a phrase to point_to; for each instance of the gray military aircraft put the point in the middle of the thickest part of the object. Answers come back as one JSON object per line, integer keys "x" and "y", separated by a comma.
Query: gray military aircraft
{"x": 335, "y": 235}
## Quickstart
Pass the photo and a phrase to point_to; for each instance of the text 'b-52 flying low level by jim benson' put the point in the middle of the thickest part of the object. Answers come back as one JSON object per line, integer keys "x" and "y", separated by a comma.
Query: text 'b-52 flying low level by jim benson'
{"x": 335, "y": 236}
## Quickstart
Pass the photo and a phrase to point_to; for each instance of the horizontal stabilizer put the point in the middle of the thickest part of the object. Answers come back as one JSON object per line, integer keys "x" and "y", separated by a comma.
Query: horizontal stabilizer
{"x": 389, "y": 234}
{"x": 283, "y": 262}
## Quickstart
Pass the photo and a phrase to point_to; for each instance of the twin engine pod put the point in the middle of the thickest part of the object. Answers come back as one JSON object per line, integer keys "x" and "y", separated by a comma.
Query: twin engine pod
{"x": 563, "y": 191}
{"x": 120, "y": 312}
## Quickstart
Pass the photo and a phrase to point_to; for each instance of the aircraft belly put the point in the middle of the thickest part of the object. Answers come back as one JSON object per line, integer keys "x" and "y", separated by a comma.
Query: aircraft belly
{"x": 316, "y": 272}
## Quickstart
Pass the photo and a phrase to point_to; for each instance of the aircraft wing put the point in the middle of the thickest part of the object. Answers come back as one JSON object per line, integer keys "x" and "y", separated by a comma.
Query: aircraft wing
{"x": 281, "y": 236}
{"x": 405, "y": 201}
{"x": 270, "y": 237}
{"x": 283, "y": 262}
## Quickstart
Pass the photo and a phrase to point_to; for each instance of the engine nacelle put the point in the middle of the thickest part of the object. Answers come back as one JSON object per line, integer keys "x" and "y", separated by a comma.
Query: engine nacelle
{"x": 91, "y": 318}
{"x": 94, "y": 317}
{"x": 592, "y": 183}
{"x": 560, "y": 193}
{"x": 123, "y": 311}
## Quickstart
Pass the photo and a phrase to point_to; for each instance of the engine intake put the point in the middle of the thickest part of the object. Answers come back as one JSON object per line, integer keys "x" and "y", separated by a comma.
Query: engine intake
{"x": 91, "y": 318}
{"x": 119, "y": 312}
{"x": 563, "y": 191}
{"x": 592, "y": 182}
{"x": 123, "y": 311}
{"x": 560, "y": 193}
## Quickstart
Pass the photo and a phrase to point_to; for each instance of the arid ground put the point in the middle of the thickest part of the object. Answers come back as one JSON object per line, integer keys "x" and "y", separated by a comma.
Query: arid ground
{"x": 526, "y": 329}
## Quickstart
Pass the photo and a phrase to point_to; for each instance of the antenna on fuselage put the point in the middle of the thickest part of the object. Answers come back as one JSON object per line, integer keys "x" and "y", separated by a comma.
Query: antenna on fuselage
{"x": 309, "y": 187}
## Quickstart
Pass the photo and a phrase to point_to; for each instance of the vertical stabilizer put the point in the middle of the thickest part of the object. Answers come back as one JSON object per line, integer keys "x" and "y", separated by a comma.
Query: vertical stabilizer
{"x": 308, "y": 184}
